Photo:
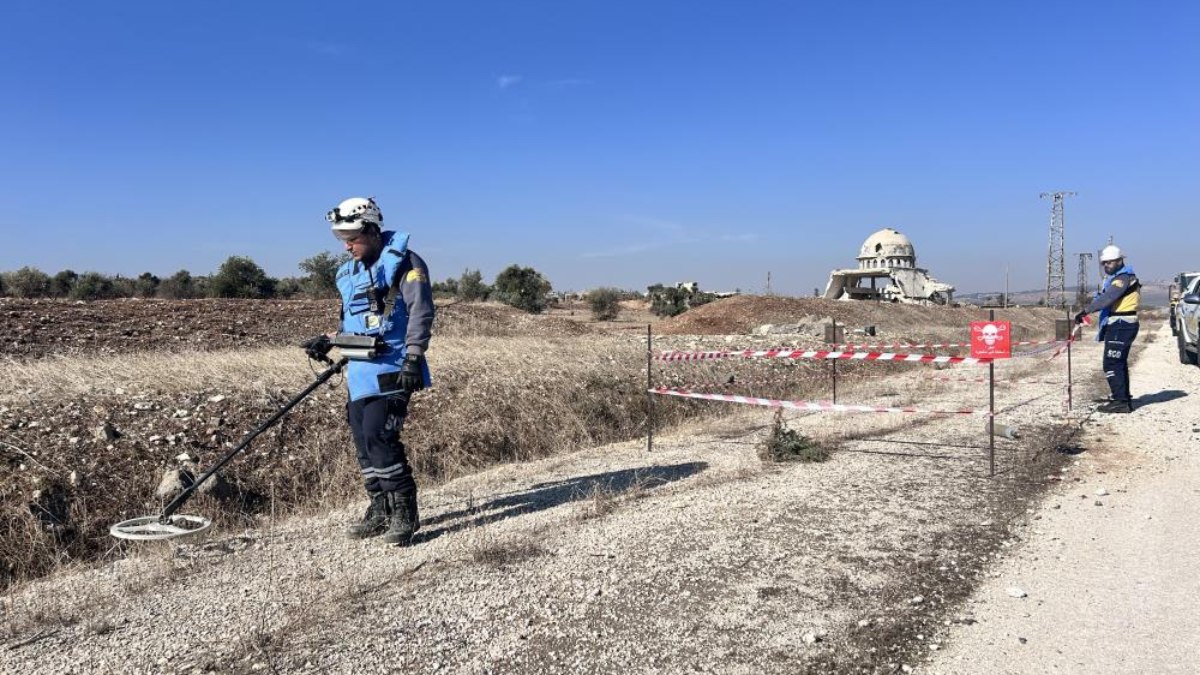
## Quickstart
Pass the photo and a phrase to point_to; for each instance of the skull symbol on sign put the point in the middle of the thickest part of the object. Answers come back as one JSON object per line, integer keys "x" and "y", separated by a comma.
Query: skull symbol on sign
{"x": 991, "y": 333}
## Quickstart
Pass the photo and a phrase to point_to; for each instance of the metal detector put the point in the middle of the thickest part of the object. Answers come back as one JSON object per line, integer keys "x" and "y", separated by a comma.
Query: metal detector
{"x": 168, "y": 524}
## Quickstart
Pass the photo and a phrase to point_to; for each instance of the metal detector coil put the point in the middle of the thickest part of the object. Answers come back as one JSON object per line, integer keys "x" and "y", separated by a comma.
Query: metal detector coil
{"x": 168, "y": 525}
{"x": 151, "y": 528}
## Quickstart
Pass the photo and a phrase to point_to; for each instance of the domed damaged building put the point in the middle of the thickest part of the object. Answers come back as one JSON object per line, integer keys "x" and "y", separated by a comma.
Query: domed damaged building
{"x": 887, "y": 270}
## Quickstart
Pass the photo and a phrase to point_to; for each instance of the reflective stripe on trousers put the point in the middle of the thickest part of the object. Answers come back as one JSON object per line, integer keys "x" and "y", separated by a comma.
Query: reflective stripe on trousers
{"x": 376, "y": 423}
{"x": 1118, "y": 340}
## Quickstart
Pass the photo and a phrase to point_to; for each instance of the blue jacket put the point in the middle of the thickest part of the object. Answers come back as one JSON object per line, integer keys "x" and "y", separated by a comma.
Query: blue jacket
{"x": 1119, "y": 296}
{"x": 364, "y": 290}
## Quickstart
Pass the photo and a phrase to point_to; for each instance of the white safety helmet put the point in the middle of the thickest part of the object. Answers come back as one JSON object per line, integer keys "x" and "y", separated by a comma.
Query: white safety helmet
{"x": 1110, "y": 253}
{"x": 349, "y": 217}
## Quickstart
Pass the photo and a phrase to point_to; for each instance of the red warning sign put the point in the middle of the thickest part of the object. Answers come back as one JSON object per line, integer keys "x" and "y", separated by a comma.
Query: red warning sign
{"x": 991, "y": 339}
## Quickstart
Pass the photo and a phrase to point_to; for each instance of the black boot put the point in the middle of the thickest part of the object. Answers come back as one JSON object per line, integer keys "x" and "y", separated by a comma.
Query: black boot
{"x": 404, "y": 521}
{"x": 1116, "y": 407}
{"x": 374, "y": 521}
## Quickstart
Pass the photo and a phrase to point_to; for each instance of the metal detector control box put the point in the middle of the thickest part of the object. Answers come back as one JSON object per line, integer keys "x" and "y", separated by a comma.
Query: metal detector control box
{"x": 359, "y": 347}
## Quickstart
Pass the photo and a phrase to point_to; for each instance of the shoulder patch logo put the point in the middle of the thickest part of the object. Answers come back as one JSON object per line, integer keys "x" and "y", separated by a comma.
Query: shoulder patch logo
{"x": 416, "y": 276}
{"x": 1118, "y": 283}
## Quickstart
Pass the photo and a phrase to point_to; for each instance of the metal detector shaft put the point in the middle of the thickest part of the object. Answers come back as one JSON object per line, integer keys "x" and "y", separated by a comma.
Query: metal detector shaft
{"x": 187, "y": 493}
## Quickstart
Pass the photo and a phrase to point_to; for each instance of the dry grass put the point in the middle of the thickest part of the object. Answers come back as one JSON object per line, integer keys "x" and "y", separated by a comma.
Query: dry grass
{"x": 604, "y": 498}
{"x": 251, "y": 370}
{"x": 494, "y": 400}
{"x": 486, "y": 547}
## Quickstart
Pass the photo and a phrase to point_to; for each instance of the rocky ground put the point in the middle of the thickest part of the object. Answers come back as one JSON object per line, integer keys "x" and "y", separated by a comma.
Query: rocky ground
{"x": 31, "y": 329}
{"x": 696, "y": 557}
{"x": 1106, "y": 579}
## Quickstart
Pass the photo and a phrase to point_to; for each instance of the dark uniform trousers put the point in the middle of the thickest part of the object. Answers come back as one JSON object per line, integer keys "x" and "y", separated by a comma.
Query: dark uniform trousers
{"x": 1118, "y": 340}
{"x": 375, "y": 423}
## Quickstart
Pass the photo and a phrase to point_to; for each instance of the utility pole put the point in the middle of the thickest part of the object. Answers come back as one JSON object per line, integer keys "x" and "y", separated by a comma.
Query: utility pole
{"x": 1056, "y": 263}
{"x": 768, "y": 282}
{"x": 1081, "y": 289}
{"x": 1005, "y": 303}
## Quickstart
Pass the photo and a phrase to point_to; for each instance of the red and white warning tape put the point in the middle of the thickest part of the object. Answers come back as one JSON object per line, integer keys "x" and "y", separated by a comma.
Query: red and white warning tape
{"x": 817, "y": 354}
{"x": 939, "y": 345}
{"x": 816, "y": 406}
{"x": 998, "y": 380}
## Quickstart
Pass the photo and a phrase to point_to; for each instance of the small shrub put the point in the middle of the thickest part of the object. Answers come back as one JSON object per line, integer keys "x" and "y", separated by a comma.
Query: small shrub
{"x": 604, "y": 303}
{"x": 788, "y": 445}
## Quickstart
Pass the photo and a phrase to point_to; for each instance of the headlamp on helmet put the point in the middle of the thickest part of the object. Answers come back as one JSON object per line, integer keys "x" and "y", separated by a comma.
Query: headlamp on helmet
{"x": 349, "y": 218}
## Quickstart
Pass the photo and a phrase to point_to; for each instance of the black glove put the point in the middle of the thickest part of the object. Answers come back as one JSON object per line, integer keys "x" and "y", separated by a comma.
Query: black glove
{"x": 412, "y": 375}
{"x": 1080, "y": 317}
{"x": 318, "y": 348}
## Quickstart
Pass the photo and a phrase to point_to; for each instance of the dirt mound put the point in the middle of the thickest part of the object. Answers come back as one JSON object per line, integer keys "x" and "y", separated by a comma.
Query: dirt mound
{"x": 742, "y": 314}
{"x": 31, "y": 329}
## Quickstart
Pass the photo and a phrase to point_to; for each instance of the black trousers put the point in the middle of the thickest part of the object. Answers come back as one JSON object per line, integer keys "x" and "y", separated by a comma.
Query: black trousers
{"x": 376, "y": 423}
{"x": 1118, "y": 340}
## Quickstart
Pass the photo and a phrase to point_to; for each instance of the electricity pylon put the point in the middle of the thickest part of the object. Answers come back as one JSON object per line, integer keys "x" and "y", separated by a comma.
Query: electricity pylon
{"x": 1056, "y": 263}
{"x": 1081, "y": 290}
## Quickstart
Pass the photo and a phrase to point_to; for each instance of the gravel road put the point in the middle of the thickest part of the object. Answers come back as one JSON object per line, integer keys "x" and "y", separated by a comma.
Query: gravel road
{"x": 1110, "y": 567}
{"x": 696, "y": 557}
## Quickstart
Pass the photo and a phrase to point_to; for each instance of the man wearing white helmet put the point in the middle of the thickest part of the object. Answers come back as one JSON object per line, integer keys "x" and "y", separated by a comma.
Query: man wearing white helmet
{"x": 386, "y": 318}
{"x": 1117, "y": 303}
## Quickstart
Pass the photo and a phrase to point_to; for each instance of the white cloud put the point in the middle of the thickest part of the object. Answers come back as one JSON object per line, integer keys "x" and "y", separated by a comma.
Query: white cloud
{"x": 507, "y": 81}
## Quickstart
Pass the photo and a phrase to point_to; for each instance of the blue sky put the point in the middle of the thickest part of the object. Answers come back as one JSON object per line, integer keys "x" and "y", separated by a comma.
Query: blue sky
{"x": 604, "y": 143}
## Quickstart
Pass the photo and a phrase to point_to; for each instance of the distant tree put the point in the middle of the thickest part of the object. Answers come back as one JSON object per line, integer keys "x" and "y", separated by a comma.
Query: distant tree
{"x": 124, "y": 287}
{"x": 320, "y": 271}
{"x": 290, "y": 287}
{"x": 177, "y": 286}
{"x": 667, "y": 300}
{"x": 203, "y": 285}
{"x": 470, "y": 287}
{"x": 146, "y": 285}
{"x": 28, "y": 282}
{"x": 93, "y": 286}
{"x": 447, "y": 288}
{"x": 3, "y": 287}
{"x": 673, "y": 301}
{"x": 241, "y": 277}
{"x": 604, "y": 303}
{"x": 522, "y": 287}
{"x": 62, "y": 283}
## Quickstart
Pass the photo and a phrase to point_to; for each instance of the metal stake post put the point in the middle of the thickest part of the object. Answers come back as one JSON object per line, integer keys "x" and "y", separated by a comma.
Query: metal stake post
{"x": 992, "y": 409}
{"x": 835, "y": 362}
{"x": 1070, "y": 339}
{"x": 649, "y": 389}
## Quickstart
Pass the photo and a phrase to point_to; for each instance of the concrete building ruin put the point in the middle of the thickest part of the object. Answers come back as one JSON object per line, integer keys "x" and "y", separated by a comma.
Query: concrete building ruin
{"x": 887, "y": 270}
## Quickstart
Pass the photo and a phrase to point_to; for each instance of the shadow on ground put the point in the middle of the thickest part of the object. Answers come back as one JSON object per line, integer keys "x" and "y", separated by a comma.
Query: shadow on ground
{"x": 1159, "y": 397}
{"x": 549, "y": 495}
